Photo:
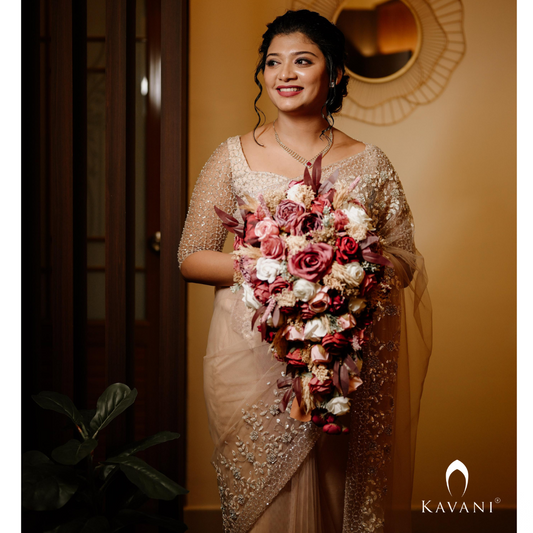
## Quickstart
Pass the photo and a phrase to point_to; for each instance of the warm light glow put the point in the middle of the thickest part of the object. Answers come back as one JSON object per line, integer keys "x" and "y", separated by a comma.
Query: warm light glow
{"x": 144, "y": 86}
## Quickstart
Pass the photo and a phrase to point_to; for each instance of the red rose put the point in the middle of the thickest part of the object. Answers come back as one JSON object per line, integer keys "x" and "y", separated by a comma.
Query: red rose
{"x": 332, "y": 429}
{"x": 312, "y": 263}
{"x": 278, "y": 285}
{"x": 317, "y": 387}
{"x": 273, "y": 247}
{"x": 307, "y": 223}
{"x": 336, "y": 344}
{"x": 262, "y": 292}
{"x": 294, "y": 358}
{"x": 346, "y": 250}
{"x": 341, "y": 220}
{"x": 338, "y": 304}
{"x": 368, "y": 283}
{"x": 287, "y": 213}
{"x": 249, "y": 230}
{"x": 307, "y": 312}
{"x": 318, "y": 204}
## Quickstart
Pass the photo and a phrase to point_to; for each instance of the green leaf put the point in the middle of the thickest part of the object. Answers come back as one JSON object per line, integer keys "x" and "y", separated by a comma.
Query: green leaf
{"x": 47, "y": 486}
{"x": 113, "y": 401}
{"x": 70, "y": 527}
{"x": 152, "y": 482}
{"x": 102, "y": 471}
{"x": 158, "y": 438}
{"x": 128, "y": 517}
{"x": 61, "y": 404}
{"x": 34, "y": 458}
{"x": 96, "y": 524}
{"x": 72, "y": 452}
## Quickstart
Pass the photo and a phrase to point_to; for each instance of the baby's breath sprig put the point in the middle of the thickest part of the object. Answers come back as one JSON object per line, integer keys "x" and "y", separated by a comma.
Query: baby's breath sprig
{"x": 284, "y": 273}
{"x": 370, "y": 267}
{"x": 235, "y": 287}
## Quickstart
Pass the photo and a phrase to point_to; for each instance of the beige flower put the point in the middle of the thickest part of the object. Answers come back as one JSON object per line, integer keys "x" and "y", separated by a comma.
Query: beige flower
{"x": 307, "y": 397}
{"x": 342, "y": 195}
{"x": 295, "y": 243}
{"x": 273, "y": 198}
{"x": 285, "y": 298}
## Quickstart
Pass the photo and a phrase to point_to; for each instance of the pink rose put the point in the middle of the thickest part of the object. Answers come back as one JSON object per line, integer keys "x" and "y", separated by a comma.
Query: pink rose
{"x": 341, "y": 220}
{"x": 287, "y": 213}
{"x": 318, "y": 204}
{"x": 266, "y": 228}
{"x": 292, "y": 183}
{"x": 313, "y": 262}
{"x": 272, "y": 247}
{"x": 319, "y": 355}
{"x": 278, "y": 285}
{"x": 262, "y": 292}
{"x": 347, "y": 321}
{"x": 320, "y": 302}
{"x": 307, "y": 223}
{"x": 237, "y": 242}
{"x": 292, "y": 334}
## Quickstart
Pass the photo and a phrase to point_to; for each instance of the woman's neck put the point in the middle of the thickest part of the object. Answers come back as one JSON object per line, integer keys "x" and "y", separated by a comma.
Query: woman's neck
{"x": 301, "y": 131}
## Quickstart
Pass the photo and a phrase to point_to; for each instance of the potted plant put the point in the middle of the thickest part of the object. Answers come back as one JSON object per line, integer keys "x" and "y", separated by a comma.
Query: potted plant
{"x": 85, "y": 497}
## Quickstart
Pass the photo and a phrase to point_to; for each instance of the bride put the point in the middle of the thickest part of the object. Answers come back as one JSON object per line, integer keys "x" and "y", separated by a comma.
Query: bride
{"x": 275, "y": 473}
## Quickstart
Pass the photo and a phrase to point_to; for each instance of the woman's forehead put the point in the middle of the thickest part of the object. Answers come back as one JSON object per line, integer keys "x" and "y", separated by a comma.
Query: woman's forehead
{"x": 292, "y": 42}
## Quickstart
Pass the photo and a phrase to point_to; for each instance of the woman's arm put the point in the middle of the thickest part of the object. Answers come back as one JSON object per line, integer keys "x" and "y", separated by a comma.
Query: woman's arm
{"x": 208, "y": 267}
{"x": 200, "y": 254}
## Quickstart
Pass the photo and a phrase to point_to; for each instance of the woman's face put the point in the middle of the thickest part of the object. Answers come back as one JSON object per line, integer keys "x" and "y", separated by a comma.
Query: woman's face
{"x": 296, "y": 76}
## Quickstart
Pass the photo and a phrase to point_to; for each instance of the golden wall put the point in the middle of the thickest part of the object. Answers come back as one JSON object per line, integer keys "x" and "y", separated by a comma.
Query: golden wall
{"x": 456, "y": 160}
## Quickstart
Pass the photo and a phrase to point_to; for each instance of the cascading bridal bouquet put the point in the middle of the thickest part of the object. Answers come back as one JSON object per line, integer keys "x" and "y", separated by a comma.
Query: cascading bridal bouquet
{"x": 310, "y": 266}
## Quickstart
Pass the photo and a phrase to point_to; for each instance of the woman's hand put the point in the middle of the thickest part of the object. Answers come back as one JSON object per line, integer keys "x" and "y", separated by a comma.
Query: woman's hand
{"x": 208, "y": 267}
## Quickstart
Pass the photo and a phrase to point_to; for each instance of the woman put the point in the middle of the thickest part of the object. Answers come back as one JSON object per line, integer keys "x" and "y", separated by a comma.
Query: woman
{"x": 275, "y": 473}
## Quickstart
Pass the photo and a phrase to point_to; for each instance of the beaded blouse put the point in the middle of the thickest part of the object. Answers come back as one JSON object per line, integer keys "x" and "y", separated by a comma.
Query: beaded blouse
{"x": 227, "y": 174}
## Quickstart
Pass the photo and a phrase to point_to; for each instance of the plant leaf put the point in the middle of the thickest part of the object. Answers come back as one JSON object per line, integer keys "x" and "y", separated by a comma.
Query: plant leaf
{"x": 96, "y": 524}
{"x": 152, "y": 482}
{"x": 47, "y": 486}
{"x": 72, "y": 452}
{"x": 70, "y": 527}
{"x": 34, "y": 458}
{"x": 113, "y": 401}
{"x": 158, "y": 438}
{"x": 129, "y": 516}
{"x": 61, "y": 404}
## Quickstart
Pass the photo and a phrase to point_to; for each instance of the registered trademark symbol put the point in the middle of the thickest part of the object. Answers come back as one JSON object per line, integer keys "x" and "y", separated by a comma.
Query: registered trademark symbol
{"x": 497, "y": 500}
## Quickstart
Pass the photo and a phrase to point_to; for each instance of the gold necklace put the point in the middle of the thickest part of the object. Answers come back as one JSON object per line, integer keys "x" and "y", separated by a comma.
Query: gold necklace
{"x": 307, "y": 162}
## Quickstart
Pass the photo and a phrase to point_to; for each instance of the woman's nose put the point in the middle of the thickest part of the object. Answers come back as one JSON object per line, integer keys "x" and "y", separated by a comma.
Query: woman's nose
{"x": 286, "y": 72}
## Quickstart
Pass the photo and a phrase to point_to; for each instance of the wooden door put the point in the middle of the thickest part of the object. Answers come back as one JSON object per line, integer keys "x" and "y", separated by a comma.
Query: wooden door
{"x": 104, "y": 173}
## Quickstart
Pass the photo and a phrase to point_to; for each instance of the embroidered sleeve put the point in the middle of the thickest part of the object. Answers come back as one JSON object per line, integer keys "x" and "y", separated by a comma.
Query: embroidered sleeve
{"x": 203, "y": 229}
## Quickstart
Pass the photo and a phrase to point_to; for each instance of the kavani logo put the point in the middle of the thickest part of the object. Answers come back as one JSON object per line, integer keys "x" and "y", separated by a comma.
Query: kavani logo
{"x": 457, "y": 466}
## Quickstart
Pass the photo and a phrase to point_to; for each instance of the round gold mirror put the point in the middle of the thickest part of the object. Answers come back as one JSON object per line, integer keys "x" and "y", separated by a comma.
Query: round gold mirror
{"x": 401, "y": 53}
{"x": 383, "y": 38}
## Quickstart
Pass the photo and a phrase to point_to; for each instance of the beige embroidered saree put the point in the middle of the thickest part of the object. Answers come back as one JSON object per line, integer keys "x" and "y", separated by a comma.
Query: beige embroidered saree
{"x": 276, "y": 474}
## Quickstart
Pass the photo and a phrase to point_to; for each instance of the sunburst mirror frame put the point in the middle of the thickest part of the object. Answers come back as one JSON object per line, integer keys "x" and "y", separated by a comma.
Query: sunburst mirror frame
{"x": 442, "y": 45}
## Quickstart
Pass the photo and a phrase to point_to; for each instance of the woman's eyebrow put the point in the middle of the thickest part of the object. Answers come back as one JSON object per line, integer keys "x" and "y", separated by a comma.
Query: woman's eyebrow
{"x": 293, "y": 53}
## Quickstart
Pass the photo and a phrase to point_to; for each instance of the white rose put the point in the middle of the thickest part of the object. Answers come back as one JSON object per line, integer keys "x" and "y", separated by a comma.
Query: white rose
{"x": 357, "y": 215}
{"x": 356, "y": 304}
{"x": 267, "y": 269}
{"x": 248, "y": 297}
{"x": 338, "y": 406}
{"x": 304, "y": 290}
{"x": 315, "y": 329}
{"x": 294, "y": 193}
{"x": 356, "y": 271}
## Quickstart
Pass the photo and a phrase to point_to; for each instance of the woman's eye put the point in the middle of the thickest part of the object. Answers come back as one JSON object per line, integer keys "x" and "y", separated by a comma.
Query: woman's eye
{"x": 303, "y": 61}
{"x": 270, "y": 63}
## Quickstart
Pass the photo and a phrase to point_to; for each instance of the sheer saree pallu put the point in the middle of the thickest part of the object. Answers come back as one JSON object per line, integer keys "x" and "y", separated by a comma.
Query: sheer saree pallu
{"x": 276, "y": 474}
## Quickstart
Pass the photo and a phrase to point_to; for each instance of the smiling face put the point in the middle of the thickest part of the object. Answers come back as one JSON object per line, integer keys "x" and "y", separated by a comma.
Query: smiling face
{"x": 296, "y": 76}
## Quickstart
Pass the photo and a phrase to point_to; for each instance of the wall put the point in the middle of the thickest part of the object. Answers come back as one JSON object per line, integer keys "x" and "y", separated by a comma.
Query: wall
{"x": 456, "y": 159}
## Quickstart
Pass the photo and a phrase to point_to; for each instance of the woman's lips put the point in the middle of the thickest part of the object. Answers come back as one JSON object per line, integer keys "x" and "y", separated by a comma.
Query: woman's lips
{"x": 289, "y": 91}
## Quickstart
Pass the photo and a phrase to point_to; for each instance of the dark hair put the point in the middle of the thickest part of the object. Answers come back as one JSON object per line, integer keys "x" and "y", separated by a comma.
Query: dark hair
{"x": 327, "y": 37}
